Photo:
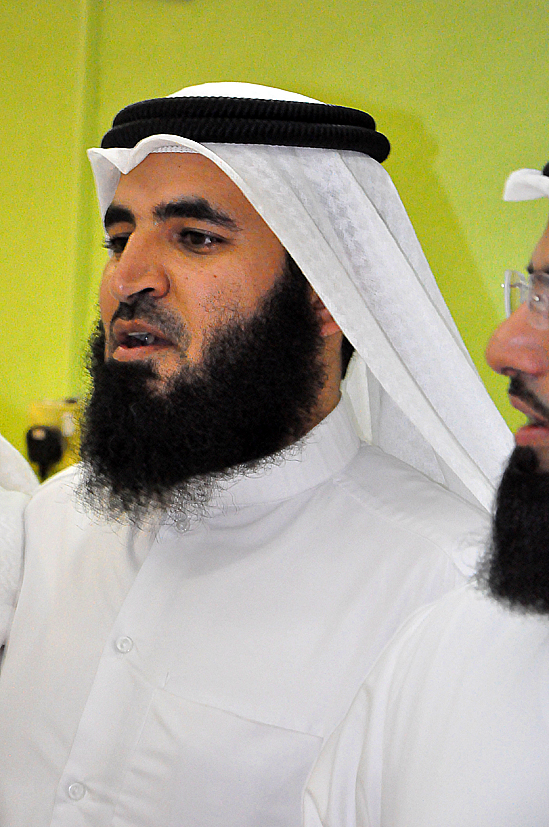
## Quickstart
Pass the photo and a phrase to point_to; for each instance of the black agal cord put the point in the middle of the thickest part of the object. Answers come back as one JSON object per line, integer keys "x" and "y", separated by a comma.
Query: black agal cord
{"x": 249, "y": 121}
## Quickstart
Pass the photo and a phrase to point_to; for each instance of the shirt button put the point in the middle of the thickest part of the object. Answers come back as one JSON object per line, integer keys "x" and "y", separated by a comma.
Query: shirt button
{"x": 76, "y": 791}
{"x": 124, "y": 645}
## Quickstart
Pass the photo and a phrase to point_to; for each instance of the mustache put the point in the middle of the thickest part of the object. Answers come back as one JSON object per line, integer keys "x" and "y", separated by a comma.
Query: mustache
{"x": 146, "y": 309}
{"x": 517, "y": 387}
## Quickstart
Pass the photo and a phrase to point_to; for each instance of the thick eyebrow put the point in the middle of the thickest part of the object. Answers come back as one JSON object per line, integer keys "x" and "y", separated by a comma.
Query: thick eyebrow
{"x": 116, "y": 214}
{"x": 531, "y": 269}
{"x": 197, "y": 208}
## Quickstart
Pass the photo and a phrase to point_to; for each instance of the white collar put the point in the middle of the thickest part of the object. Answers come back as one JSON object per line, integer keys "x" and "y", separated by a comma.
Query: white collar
{"x": 323, "y": 452}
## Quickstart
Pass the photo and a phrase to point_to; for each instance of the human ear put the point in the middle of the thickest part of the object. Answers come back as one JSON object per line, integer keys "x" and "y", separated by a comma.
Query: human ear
{"x": 328, "y": 325}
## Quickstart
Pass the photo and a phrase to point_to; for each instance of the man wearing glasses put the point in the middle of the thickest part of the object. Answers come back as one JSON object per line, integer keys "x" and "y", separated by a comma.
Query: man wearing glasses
{"x": 452, "y": 726}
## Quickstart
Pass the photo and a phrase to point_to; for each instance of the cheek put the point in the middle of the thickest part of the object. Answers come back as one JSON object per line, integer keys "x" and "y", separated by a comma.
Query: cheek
{"x": 256, "y": 276}
{"x": 221, "y": 292}
{"x": 107, "y": 302}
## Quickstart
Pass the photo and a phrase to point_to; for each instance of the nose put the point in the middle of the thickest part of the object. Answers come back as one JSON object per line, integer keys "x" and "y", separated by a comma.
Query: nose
{"x": 139, "y": 268}
{"x": 516, "y": 346}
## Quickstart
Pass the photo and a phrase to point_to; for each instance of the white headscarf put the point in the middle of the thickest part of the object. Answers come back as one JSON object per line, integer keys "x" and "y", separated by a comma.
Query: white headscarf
{"x": 525, "y": 185}
{"x": 413, "y": 387}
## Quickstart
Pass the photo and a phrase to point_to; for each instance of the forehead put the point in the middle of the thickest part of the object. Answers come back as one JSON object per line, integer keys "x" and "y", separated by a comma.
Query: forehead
{"x": 168, "y": 176}
{"x": 540, "y": 256}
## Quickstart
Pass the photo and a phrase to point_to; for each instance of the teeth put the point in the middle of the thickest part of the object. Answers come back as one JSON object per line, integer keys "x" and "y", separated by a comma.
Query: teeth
{"x": 142, "y": 338}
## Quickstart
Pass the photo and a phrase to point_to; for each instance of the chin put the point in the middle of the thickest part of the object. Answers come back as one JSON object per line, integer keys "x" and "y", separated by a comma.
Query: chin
{"x": 164, "y": 369}
{"x": 516, "y": 567}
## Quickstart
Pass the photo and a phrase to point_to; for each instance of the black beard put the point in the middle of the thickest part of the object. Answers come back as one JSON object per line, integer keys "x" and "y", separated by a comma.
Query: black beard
{"x": 516, "y": 570}
{"x": 253, "y": 393}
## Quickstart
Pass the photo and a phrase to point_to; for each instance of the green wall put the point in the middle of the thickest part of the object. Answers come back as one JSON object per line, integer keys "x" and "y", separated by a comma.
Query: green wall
{"x": 460, "y": 89}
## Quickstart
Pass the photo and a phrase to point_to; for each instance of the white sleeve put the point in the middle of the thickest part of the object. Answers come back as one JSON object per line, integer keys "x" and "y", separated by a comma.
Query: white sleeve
{"x": 15, "y": 472}
{"x": 344, "y": 788}
{"x": 12, "y": 505}
{"x": 17, "y": 481}
{"x": 330, "y": 795}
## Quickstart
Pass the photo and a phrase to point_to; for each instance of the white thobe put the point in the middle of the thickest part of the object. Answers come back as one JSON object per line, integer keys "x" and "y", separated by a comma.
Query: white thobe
{"x": 191, "y": 677}
{"x": 451, "y": 728}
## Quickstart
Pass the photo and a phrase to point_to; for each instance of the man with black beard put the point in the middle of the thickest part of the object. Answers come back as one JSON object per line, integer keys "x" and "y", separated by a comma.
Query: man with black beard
{"x": 452, "y": 725}
{"x": 205, "y": 593}
{"x": 164, "y": 450}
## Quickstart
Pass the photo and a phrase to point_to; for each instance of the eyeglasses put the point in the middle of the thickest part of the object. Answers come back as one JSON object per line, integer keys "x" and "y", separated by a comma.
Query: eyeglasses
{"x": 533, "y": 289}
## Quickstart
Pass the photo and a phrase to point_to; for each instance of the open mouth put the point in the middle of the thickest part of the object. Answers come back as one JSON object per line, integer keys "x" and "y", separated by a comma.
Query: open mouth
{"x": 535, "y": 417}
{"x": 135, "y": 339}
{"x": 536, "y": 429}
{"x": 535, "y": 422}
{"x": 143, "y": 339}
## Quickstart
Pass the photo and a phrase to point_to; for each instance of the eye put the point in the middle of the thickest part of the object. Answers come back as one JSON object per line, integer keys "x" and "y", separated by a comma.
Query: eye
{"x": 115, "y": 244}
{"x": 200, "y": 241}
